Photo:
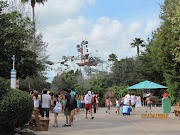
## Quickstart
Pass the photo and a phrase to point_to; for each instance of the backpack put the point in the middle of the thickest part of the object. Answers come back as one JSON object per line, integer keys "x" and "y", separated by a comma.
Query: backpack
{"x": 58, "y": 107}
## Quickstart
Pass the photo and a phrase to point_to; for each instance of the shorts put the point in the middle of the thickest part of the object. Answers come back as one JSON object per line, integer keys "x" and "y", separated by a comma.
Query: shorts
{"x": 108, "y": 107}
{"x": 88, "y": 106}
{"x": 144, "y": 98}
{"x": 149, "y": 104}
{"x": 117, "y": 106}
{"x": 67, "y": 112}
{"x": 133, "y": 105}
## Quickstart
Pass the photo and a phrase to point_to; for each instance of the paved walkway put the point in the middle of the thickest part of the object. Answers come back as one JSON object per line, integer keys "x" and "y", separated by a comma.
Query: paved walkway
{"x": 116, "y": 124}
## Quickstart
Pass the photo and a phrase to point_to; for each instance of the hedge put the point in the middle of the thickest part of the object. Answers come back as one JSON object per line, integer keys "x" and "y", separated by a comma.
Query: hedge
{"x": 4, "y": 86}
{"x": 16, "y": 108}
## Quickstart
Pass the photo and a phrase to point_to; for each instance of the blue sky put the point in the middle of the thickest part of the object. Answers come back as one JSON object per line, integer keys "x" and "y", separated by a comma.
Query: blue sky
{"x": 109, "y": 25}
{"x": 124, "y": 10}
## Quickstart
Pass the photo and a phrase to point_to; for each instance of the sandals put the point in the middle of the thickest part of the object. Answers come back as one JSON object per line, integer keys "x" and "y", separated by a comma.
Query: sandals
{"x": 65, "y": 125}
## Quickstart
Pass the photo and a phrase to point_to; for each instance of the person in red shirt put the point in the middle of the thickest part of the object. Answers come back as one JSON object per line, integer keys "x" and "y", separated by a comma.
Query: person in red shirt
{"x": 165, "y": 95}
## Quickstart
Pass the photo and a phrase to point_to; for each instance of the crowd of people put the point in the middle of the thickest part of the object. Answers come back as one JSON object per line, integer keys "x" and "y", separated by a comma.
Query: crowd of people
{"x": 127, "y": 100}
{"x": 130, "y": 100}
{"x": 71, "y": 103}
{"x": 67, "y": 102}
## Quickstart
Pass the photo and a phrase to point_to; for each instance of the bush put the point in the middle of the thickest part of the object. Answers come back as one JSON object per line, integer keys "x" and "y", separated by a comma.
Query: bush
{"x": 4, "y": 85}
{"x": 102, "y": 102}
{"x": 16, "y": 108}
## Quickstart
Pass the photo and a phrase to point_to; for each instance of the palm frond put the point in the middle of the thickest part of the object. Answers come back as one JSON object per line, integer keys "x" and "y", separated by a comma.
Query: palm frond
{"x": 41, "y": 1}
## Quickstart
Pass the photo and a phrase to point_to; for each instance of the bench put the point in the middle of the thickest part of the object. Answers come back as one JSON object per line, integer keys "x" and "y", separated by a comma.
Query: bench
{"x": 177, "y": 110}
{"x": 38, "y": 124}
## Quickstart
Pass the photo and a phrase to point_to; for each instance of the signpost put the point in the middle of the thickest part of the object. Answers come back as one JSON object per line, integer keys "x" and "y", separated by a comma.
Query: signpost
{"x": 13, "y": 74}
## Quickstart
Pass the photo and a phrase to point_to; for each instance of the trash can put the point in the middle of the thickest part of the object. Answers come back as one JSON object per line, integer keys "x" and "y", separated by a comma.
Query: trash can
{"x": 166, "y": 105}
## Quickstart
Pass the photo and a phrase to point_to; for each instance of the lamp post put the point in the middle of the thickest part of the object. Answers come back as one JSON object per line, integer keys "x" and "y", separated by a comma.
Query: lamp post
{"x": 13, "y": 74}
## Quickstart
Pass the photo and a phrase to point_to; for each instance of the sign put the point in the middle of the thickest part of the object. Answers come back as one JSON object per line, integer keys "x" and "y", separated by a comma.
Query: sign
{"x": 13, "y": 78}
{"x": 111, "y": 93}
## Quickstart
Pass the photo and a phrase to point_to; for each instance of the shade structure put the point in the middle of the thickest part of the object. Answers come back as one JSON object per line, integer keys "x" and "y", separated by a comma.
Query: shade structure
{"x": 147, "y": 85}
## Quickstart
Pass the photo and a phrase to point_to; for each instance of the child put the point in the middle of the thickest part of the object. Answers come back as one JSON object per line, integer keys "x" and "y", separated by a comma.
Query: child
{"x": 117, "y": 105}
{"x": 57, "y": 109}
{"x": 36, "y": 101}
{"x": 78, "y": 103}
{"x": 108, "y": 105}
{"x": 148, "y": 100}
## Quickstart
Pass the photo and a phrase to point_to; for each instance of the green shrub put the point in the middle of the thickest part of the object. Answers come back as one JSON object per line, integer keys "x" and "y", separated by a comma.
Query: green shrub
{"x": 4, "y": 85}
{"x": 102, "y": 102}
{"x": 16, "y": 108}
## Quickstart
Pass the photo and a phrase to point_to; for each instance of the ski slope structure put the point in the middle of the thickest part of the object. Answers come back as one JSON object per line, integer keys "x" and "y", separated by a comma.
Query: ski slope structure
{"x": 67, "y": 65}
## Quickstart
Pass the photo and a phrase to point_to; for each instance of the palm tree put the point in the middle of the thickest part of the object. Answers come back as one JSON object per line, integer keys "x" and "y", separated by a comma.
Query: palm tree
{"x": 33, "y": 2}
{"x": 137, "y": 43}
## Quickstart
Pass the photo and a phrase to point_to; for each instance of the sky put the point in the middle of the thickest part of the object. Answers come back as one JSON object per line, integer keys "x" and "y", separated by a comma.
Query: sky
{"x": 108, "y": 25}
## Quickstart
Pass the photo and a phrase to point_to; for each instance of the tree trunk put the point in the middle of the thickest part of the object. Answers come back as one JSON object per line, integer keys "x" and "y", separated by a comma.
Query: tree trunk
{"x": 138, "y": 50}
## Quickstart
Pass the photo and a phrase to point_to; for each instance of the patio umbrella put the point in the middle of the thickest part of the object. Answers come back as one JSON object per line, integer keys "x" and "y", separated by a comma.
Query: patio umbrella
{"x": 147, "y": 85}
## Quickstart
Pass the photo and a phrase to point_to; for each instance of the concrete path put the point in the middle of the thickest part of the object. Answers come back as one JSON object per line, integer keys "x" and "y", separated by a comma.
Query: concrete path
{"x": 117, "y": 124}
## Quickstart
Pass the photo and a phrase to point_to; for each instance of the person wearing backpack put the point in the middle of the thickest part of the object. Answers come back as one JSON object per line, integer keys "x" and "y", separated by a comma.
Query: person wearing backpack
{"x": 57, "y": 103}
{"x": 73, "y": 106}
{"x": 67, "y": 107}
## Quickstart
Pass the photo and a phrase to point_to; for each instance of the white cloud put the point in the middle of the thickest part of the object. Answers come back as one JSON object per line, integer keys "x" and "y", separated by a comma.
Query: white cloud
{"x": 105, "y": 35}
{"x": 135, "y": 26}
{"x": 66, "y": 28}
{"x": 151, "y": 25}
{"x": 53, "y": 12}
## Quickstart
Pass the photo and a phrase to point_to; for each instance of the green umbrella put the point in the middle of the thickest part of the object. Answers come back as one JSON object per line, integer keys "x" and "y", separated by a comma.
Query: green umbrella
{"x": 147, "y": 85}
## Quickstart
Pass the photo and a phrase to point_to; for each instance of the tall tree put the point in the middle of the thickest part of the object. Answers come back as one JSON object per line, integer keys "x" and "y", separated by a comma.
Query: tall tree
{"x": 125, "y": 72}
{"x": 33, "y": 3}
{"x": 112, "y": 57}
{"x": 137, "y": 42}
{"x": 159, "y": 59}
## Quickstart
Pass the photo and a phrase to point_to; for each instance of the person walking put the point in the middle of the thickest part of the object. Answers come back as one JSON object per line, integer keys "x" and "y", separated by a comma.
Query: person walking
{"x": 52, "y": 99}
{"x": 97, "y": 101}
{"x": 78, "y": 103}
{"x": 117, "y": 105}
{"x": 57, "y": 103}
{"x": 148, "y": 100}
{"x": 82, "y": 102}
{"x": 94, "y": 101}
{"x": 133, "y": 101}
{"x": 108, "y": 105}
{"x": 73, "y": 106}
{"x": 63, "y": 102}
{"x": 144, "y": 98}
{"x": 46, "y": 103}
{"x": 88, "y": 103}
{"x": 67, "y": 109}
{"x": 127, "y": 100}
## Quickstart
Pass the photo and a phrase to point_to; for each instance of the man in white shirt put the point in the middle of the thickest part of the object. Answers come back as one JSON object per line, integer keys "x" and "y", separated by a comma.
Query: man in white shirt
{"x": 46, "y": 102}
{"x": 127, "y": 100}
{"x": 88, "y": 103}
